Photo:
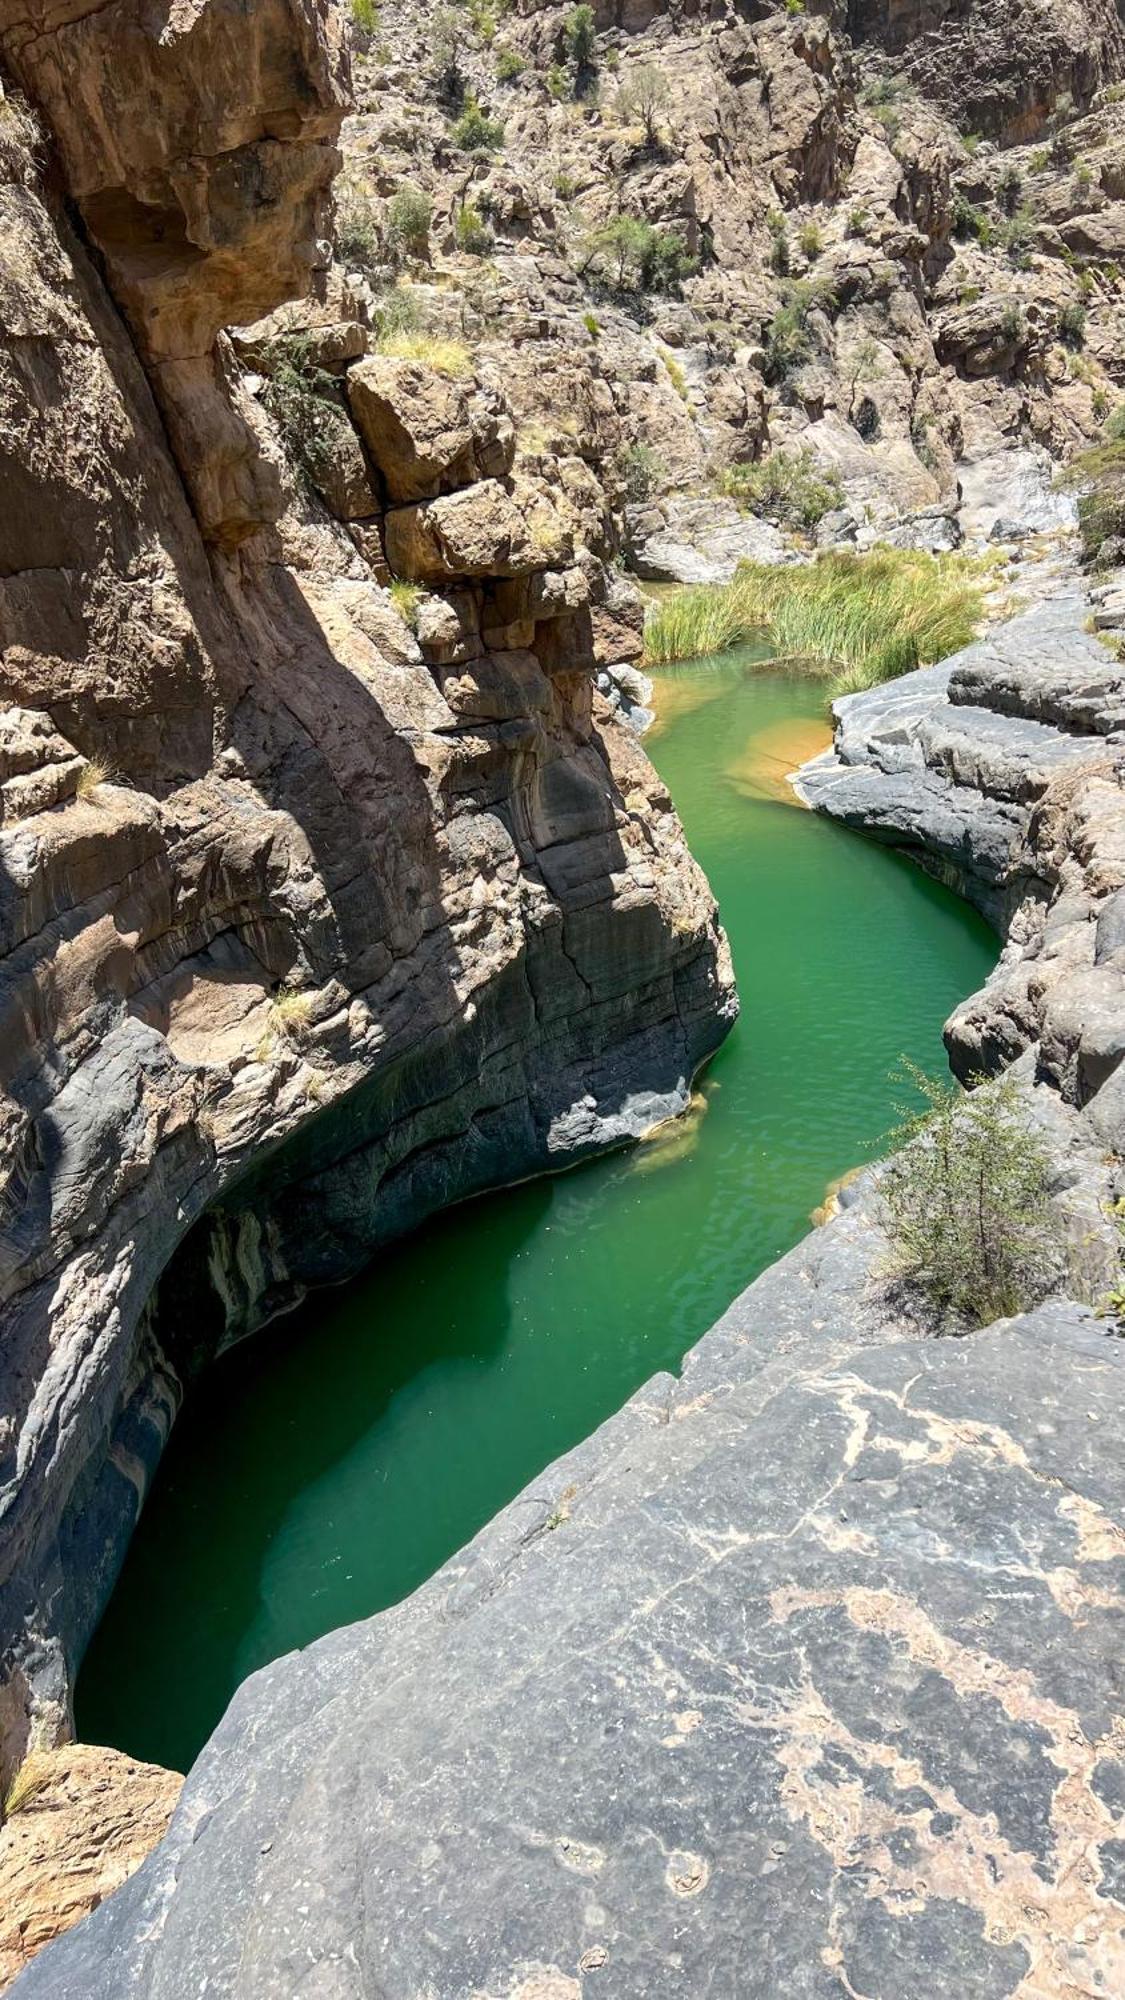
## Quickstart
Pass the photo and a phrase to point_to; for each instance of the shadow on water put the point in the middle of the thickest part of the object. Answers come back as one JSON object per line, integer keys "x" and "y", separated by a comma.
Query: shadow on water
{"x": 324, "y": 1470}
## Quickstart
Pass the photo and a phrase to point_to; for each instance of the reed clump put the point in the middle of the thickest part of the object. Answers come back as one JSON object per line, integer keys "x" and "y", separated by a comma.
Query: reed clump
{"x": 851, "y": 620}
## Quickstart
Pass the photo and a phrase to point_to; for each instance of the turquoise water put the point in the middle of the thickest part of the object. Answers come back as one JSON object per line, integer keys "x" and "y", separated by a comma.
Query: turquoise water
{"x": 325, "y": 1469}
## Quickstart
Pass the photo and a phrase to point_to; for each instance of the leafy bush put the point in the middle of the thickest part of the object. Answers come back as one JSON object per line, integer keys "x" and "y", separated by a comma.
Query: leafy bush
{"x": 1072, "y": 325}
{"x": 970, "y": 221}
{"x": 474, "y": 132}
{"x": 969, "y": 1203}
{"x": 864, "y": 617}
{"x": 509, "y": 65}
{"x": 788, "y": 336}
{"x": 304, "y": 401}
{"x": 365, "y": 14}
{"x": 358, "y": 243}
{"x": 398, "y": 311}
{"x": 1013, "y": 324}
{"x": 581, "y": 37}
{"x": 810, "y": 240}
{"x": 634, "y": 256}
{"x": 786, "y": 487}
{"x": 1010, "y": 190}
{"x": 446, "y": 36}
{"x": 470, "y": 230}
{"x": 409, "y": 213}
{"x": 642, "y": 471}
{"x": 1018, "y": 237}
{"x": 1099, "y": 476}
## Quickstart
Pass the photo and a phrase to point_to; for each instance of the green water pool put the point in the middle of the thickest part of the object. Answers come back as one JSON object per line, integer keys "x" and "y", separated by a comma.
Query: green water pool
{"x": 326, "y": 1469}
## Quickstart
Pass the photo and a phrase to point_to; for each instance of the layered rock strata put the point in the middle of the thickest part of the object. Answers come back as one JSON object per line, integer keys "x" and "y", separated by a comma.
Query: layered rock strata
{"x": 309, "y": 924}
{"x": 1003, "y": 772}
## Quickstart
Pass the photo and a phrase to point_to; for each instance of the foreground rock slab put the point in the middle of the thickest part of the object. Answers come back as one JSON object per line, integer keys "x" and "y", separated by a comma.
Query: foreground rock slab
{"x": 801, "y": 1676}
{"x": 87, "y": 1819}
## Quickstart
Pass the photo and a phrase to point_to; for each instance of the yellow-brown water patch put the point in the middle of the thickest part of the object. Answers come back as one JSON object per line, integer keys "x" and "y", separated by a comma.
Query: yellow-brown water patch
{"x": 762, "y": 769}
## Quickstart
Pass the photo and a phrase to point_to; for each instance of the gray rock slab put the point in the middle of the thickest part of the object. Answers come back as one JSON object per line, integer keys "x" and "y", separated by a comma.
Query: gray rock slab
{"x": 777, "y": 1685}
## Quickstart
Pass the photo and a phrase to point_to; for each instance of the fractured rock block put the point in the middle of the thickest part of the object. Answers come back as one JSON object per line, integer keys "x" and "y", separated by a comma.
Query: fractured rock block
{"x": 426, "y": 433}
{"x": 477, "y": 532}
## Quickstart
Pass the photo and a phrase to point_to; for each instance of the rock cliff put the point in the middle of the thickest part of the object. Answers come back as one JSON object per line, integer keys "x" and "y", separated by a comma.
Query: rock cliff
{"x": 311, "y": 921}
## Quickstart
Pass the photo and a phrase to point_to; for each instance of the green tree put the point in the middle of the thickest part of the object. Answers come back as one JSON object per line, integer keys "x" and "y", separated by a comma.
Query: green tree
{"x": 409, "y": 213}
{"x": 968, "y": 1202}
{"x": 642, "y": 98}
{"x": 581, "y": 37}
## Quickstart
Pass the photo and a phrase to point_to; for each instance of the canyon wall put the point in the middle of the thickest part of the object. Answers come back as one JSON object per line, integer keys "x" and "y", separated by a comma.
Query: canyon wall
{"x": 311, "y": 922}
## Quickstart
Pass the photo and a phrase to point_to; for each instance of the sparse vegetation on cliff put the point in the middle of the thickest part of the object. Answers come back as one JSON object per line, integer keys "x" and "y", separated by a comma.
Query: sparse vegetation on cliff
{"x": 787, "y": 486}
{"x": 851, "y": 619}
{"x": 969, "y": 1204}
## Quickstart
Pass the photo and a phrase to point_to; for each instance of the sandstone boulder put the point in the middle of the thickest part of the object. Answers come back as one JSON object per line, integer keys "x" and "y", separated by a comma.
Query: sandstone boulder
{"x": 428, "y": 434}
{"x": 478, "y": 532}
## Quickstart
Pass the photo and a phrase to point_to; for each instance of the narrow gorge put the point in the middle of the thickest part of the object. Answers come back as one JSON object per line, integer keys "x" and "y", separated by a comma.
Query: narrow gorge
{"x": 385, "y": 393}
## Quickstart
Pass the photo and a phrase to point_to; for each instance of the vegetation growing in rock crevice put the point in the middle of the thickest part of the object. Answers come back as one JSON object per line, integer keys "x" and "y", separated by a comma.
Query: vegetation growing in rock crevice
{"x": 968, "y": 1203}
{"x": 304, "y": 401}
{"x": 852, "y": 620}
{"x": 786, "y": 486}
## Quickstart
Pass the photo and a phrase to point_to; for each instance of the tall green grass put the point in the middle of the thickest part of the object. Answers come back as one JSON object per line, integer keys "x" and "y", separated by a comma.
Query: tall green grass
{"x": 852, "y": 620}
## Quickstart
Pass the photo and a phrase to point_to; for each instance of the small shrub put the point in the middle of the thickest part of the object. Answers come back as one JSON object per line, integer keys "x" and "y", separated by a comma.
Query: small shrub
{"x": 969, "y": 221}
{"x": 406, "y": 597}
{"x": 810, "y": 240}
{"x": 304, "y": 401}
{"x": 1072, "y": 325}
{"x": 1018, "y": 237}
{"x": 857, "y": 221}
{"x": 475, "y": 132}
{"x": 785, "y": 487}
{"x": 358, "y": 243}
{"x": 1099, "y": 404}
{"x": 409, "y": 213}
{"x": 788, "y": 336}
{"x": 971, "y": 1219}
{"x": 291, "y": 1012}
{"x": 641, "y": 100}
{"x": 565, "y": 185}
{"x": 580, "y": 36}
{"x": 1040, "y": 160}
{"x": 1083, "y": 178}
{"x": 642, "y": 471}
{"x": 446, "y": 37}
{"x": 634, "y": 256}
{"x": 780, "y": 258}
{"x": 398, "y": 311}
{"x": 365, "y": 14}
{"x": 470, "y": 231}
{"x": 1013, "y": 325}
{"x": 509, "y": 65}
{"x": 21, "y": 140}
{"x": 675, "y": 374}
{"x": 94, "y": 774}
{"x": 592, "y": 324}
{"x": 1010, "y": 190}
{"x": 794, "y": 6}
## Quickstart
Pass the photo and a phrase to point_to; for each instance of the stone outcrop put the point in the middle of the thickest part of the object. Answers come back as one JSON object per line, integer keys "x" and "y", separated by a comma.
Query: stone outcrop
{"x": 1003, "y": 771}
{"x": 934, "y": 188}
{"x": 799, "y": 1675}
{"x": 85, "y": 1820}
{"x": 310, "y": 924}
